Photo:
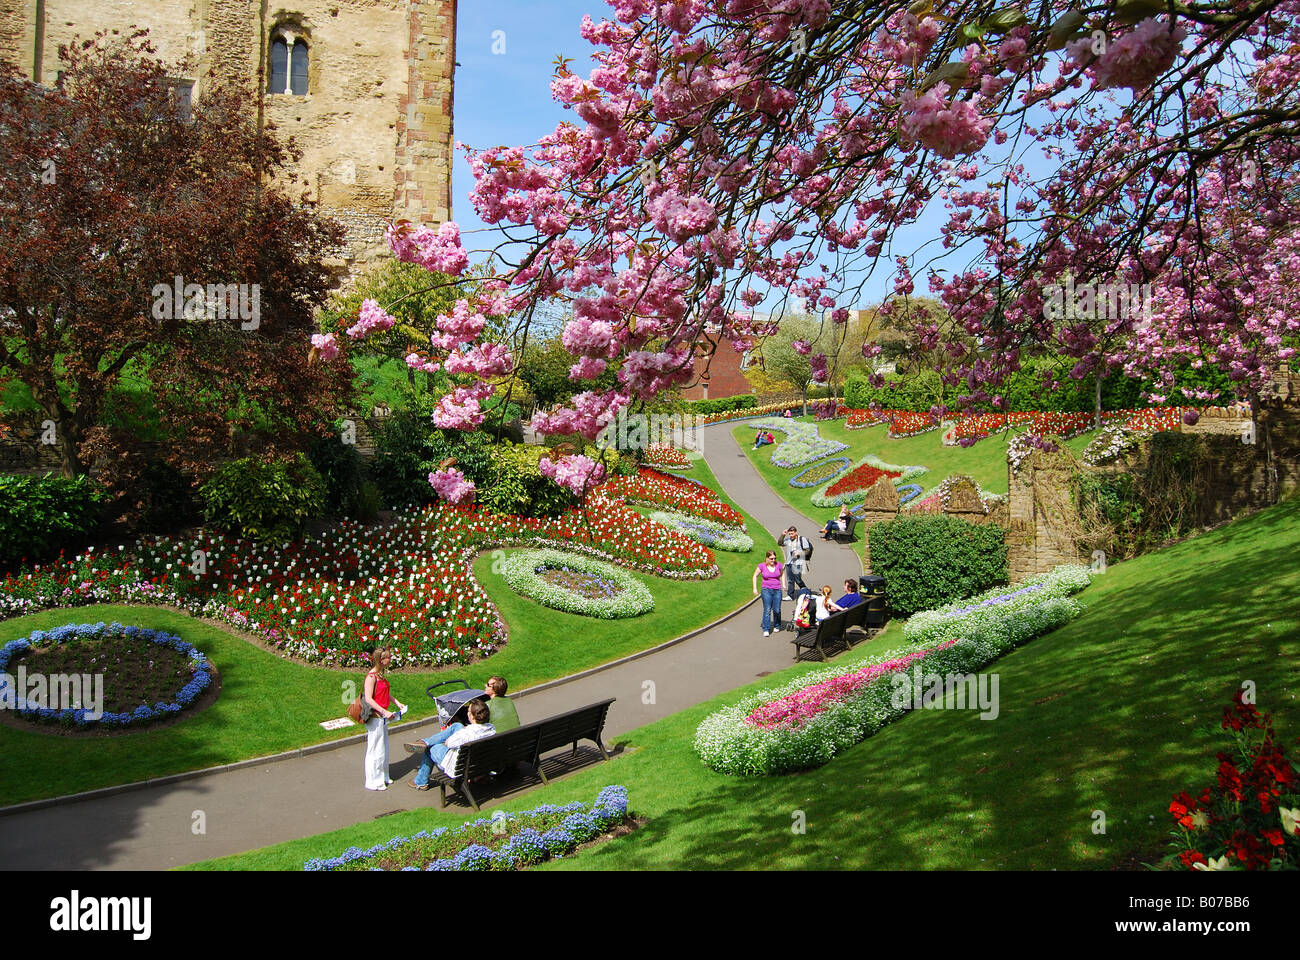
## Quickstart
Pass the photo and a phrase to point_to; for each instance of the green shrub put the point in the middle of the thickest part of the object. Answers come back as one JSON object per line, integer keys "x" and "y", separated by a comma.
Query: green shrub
{"x": 928, "y": 561}
{"x": 340, "y": 467}
{"x": 741, "y": 401}
{"x": 164, "y": 498}
{"x": 264, "y": 501}
{"x": 516, "y": 485}
{"x": 41, "y": 515}
{"x": 369, "y": 502}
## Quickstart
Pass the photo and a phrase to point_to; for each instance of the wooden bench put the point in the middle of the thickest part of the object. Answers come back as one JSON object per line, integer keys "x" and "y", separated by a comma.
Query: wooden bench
{"x": 845, "y": 535}
{"x": 830, "y": 630}
{"x": 523, "y": 744}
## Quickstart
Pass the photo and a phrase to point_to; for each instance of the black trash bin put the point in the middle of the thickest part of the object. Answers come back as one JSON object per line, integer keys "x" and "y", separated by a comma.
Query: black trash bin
{"x": 871, "y": 585}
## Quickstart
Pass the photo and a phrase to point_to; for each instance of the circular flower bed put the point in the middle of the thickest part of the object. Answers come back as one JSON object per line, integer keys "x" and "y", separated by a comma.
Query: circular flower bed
{"x": 574, "y": 583}
{"x": 819, "y": 473}
{"x": 135, "y": 675}
{"x": 853, "y": 485}
{"x": 716, "y": 536}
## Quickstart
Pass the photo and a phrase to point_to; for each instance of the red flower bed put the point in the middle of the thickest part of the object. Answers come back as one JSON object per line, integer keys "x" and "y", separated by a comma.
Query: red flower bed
{"x": 859, "y": 479}
{"x": 905, "y": 423}
{"x": 662, "y": 489}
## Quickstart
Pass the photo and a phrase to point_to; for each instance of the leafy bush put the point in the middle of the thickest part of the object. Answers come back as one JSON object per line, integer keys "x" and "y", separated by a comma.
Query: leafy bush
{"x": 928, "y": 561}
{"x": 40, "y": 515}
{"x": 264, "y": 501}
{"x": 514, "y": 483}
{"x": 369, "y": 502}
{"x": 164, "y": 498}
{"x": 340, "y": 466}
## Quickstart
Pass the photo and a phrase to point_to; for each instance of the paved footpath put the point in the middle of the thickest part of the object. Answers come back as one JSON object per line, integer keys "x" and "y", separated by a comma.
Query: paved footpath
{"x": 154, "y": 827}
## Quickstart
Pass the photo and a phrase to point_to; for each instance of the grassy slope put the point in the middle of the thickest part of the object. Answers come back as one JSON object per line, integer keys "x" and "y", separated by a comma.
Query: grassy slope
{"x": 986, "y": 461}
{"x": 268, "y": 705}
{"x": 1100, "y": 715}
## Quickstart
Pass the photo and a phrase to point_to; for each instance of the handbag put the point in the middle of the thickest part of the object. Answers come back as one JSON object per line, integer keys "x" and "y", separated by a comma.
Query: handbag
{"x": 359, "y": 710}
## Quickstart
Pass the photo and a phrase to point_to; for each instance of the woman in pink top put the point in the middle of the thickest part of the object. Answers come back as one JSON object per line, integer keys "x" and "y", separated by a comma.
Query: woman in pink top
{"x": 771, "y": 570}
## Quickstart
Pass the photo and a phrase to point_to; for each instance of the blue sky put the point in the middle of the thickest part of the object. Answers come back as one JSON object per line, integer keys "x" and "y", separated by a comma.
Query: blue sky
{"x": 505, "y": 98}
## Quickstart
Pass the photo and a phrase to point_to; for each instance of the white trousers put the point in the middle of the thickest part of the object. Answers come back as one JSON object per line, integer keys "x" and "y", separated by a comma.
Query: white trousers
{"x": 376, "y": 768}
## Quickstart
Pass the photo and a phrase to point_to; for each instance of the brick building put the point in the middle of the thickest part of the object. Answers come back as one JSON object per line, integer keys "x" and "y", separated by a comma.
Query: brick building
{"x": 722, "y": 375}
{"x": 364, "y": 88}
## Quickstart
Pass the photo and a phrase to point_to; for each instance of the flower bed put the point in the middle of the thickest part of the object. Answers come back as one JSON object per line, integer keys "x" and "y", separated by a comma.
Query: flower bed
{"x": 1250, "y": 818}
{"x": 1112, "y": 441}
{"x": 504, "y": 841}
{"x": 802, "y": 445}
{"x": 664, "y": 456}
{"x": 195, "y": 677}
{"x": 657, "y": 489}
{"x": 715, "y": 536}
{"x": 819, "y": 473}
{"x": 990, "y": 610}
{"x": 822, "y": 713}
{"x": 853, "y": 486}
{"x": 748, "y": 413}
{"x": 331, "y": 599}
{"x": 938, "y": 499}
{"x": 905, "y": 423}
{"x": 857, "y": 419}
{"x": 907, "y": 492}
{"x": 980, "y": 426}
{"x": 599, "y": 589}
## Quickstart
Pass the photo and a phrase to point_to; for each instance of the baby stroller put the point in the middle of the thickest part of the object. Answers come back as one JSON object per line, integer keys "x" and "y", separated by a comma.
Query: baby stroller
{"x": 453, "y": 707}
{"x": 805, "y": 611}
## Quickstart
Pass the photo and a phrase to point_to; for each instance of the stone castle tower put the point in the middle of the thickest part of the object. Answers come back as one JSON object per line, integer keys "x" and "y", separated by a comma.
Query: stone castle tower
{"x": 364, "y": 88}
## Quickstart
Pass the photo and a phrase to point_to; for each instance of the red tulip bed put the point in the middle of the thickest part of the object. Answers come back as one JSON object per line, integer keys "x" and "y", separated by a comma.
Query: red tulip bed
{"x": 334, "y": 598}
{"x": 904, "y": 423}
{"x": 657, "y": 489}
{"x": 861, "y": 478}
{"x": 1149, "y": 419}
{"x": 664, "y": 456}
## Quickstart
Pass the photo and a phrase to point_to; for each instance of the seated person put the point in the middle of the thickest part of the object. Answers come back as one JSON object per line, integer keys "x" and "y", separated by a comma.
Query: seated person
{"x": 840, "y": 523}
{"x": 504, "y": 715}
{"x": 443, "y": 748}
{"x": 851, "y": 596}
{"x": 826, "y": 607}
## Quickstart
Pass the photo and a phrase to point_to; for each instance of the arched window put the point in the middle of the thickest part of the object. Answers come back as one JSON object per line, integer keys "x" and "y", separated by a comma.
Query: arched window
{"x": 298, "y": 70}
{"x": 279, "y": 66}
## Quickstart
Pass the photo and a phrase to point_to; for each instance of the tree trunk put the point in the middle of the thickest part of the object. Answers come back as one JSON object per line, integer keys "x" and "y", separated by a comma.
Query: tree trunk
{"x": 1096, "y": 404}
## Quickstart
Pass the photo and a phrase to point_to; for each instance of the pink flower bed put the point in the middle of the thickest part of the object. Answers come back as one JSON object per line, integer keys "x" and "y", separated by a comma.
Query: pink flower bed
{"x": 794, "y": 709}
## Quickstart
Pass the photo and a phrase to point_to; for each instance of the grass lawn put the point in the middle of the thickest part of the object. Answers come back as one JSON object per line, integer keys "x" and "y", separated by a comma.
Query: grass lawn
{"x": 1105, "y": 714}
{"x": 268, "y": 705}
{"x": 986, "y": 461}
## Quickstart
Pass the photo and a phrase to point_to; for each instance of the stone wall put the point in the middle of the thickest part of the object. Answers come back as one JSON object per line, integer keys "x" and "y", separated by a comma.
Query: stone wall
{"x": 375, "y": 126}
{"x": 1247, "y": 466}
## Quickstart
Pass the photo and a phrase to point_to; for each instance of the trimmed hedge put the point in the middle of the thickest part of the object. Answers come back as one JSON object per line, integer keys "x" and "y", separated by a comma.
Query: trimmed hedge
{"x": 41, "y": 515}
{"x": 1023, "y": 390}
{"x": 929, "y": 561}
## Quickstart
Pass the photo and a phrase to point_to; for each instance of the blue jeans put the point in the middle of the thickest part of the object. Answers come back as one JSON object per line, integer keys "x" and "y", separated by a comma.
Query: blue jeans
{"x": 793, "y": 580}
{"x": 437, "y": 750}
{"x": 771, "y": 608}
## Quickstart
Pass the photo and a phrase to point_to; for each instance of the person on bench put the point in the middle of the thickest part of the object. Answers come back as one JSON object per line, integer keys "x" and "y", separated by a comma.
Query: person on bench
{"x": 851, "y": 596}
{"x": 839, "y": 524}
{"x": 504, "y": 715}
{"x": 443, "y": 748}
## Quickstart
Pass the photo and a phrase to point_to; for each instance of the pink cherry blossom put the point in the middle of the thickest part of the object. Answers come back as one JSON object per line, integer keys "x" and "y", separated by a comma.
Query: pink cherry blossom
{"x": 328, "y": 346}
{"x": 452, "y": 486}
{"x": 372, "y": 318}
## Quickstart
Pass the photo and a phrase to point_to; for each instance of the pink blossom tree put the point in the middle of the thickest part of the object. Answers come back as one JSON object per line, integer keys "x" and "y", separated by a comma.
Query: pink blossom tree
{"x": 736, "y": 153}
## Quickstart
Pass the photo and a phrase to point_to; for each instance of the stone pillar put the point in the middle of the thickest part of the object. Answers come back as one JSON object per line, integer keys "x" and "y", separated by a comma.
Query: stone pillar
{"x": 881, "y": 504}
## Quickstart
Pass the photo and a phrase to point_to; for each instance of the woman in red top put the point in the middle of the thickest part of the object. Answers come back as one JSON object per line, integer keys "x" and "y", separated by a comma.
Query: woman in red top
{"x": 378, "y": 696}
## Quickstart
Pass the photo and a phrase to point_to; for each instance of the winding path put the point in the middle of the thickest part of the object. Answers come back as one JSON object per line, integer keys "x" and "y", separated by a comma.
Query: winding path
{"x": 255, "y": 804}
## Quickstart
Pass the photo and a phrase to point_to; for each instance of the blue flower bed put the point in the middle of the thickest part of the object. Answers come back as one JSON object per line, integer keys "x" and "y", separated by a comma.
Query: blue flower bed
{"x": 73, "y": 633}
{"x": 843, "y": 462}
{"x": 908, "y": 492}
{"x": 525, "y": 843}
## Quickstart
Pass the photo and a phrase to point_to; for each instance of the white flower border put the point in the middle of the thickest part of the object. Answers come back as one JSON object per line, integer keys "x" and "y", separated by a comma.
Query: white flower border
{"x": 518, "y": 571}
{"x": 731, "y": 539}
{"x": 730, "y": 746}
